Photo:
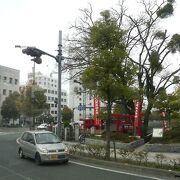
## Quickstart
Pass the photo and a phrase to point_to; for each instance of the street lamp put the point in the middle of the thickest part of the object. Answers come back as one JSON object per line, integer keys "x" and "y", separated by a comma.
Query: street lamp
{"x": 36, "y": 54}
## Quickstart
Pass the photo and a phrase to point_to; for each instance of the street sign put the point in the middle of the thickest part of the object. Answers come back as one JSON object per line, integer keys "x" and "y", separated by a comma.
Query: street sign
{"x": 81, "y": 107}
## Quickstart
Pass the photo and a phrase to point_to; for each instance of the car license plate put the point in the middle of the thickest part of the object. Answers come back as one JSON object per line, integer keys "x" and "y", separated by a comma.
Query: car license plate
{"x": 53, "y": 157}
{"x": 61, "y": 156}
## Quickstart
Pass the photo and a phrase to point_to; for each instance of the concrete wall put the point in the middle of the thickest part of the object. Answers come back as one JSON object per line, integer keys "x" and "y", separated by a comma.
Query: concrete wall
{"x": 162, "y": 148}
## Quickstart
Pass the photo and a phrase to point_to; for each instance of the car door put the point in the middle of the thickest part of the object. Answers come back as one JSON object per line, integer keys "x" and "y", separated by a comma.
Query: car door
{"x": 24, "y": 143}
{"x": 31, "y": 146}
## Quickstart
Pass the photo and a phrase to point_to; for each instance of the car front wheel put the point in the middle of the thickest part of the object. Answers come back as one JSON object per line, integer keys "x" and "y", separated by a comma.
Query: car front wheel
{"x": 21, "y": 155}
{"x": 38, "y": 159}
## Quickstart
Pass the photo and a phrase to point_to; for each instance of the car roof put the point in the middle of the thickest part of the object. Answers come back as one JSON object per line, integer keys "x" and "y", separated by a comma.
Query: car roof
{"x": 39, "y": 132}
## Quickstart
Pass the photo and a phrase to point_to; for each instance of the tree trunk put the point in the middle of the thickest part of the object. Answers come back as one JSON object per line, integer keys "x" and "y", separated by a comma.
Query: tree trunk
{"x": 108, "y": 122}
{"x": 146, "y": 119}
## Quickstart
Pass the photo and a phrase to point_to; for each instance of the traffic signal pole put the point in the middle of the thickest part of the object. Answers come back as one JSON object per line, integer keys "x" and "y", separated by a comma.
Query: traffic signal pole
{"x": 59, "y": 130}
{"x": 36, "y": 53}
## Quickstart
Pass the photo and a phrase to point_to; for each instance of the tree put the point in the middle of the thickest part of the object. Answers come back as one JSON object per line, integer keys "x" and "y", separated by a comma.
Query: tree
{"x": 9, "y": 108}
{"x": 147, "y": 46}
{"x": 150, "y": 47}
{"x": 32, "y": 101}
{"x": 67, "y": 115}
{"x": 109, "y": 74}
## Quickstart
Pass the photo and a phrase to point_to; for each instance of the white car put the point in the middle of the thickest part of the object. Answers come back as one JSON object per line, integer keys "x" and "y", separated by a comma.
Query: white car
{"x": 43, "y": 126}
{"x": 42, "y": 146}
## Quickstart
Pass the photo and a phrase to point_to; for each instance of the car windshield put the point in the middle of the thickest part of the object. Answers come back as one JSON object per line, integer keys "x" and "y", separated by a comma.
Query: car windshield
{"x": 46, "y": 138}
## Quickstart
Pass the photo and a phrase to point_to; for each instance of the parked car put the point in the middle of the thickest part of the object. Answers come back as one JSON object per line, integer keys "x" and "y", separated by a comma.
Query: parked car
{"x": 43, "y": 126}
{"x": 42, "y": 146}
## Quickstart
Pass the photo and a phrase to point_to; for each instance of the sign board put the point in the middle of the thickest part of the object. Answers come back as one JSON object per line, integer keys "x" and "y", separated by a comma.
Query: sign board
{"x": 81, "y": 107}
{"x": 157, "y": 132}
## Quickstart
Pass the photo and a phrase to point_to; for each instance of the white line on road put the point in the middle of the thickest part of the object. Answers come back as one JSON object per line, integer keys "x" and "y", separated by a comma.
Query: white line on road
{"x": 115, "y": 171}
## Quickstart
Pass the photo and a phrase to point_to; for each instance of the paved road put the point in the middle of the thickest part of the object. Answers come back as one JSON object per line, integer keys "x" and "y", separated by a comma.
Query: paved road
{"x": 13, "y": 168}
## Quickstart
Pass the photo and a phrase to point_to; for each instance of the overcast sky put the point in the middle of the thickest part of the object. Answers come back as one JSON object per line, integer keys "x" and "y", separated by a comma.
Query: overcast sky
{"x": 37, "y": 22}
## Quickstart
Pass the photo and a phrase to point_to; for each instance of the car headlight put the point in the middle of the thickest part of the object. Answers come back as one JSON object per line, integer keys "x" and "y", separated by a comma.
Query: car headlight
{"x": 66, "y": 150}
{"x": 43, "y": 150}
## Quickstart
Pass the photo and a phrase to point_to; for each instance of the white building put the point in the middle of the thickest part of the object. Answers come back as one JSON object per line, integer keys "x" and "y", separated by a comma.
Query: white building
{"x": 9, "y": 83}
{"x": 80, "y": 101}
{"x": 50, "y": 85}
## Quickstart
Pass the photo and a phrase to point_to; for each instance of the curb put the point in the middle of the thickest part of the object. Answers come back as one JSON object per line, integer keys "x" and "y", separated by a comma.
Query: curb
{"x": 160, "y": 173}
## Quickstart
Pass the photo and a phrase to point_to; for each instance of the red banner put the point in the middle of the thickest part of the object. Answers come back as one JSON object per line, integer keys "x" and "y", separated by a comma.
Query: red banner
{"x": 137, "y": 111}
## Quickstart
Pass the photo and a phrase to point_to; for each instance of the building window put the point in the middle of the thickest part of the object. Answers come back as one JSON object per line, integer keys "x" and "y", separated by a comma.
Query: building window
{"x": 4, "y": 91}
{"x": 55, "y": 92}
{"x": 64, "y": 100}
{"x": 52, "y": 105}
{"x": 52, "y": 92}
{"x": 10, "y": 80}
{"x": 16, "y": 81}
{"x": 61, "y": 106}
{"x": 10, "y": 91}
{"x": 80, "y": 114}
{"x": 5, "y": 78}
{"x": 49, "y": 91}
{"x": 52, "y": 112}
{"x": 55, "y": 112}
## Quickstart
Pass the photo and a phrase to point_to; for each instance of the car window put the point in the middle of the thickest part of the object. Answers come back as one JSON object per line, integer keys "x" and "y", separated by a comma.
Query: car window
{"x": 46, "y": 138}
{"x": 25, "y": 136}
{"x": 30, "y": 138}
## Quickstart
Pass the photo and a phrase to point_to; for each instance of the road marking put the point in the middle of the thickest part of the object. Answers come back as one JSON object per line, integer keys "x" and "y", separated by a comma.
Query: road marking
{"x": 115, "y": 171}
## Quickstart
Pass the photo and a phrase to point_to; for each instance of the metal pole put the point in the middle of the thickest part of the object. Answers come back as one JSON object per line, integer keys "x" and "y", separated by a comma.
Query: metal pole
{"x": 59, "y": 130}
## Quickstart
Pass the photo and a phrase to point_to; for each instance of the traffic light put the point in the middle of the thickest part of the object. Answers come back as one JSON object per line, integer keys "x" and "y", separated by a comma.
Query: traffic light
{"x": 31, "y": 51}
{"x": 37, "y": 60}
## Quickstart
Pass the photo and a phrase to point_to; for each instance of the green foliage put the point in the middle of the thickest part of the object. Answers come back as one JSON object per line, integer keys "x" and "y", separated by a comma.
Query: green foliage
{"x": 32, "y": 101}
{"x": 160, "y": 35}
{"x": 174, "y": 44}
{"x": 165, "y": 11}
{"x": 154, "y": 61}
{"x": 171, "y": 1}
{"x": 109, "y": 69}
{"x": 9, "y": 108}
{"x": 67, "y": 115}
